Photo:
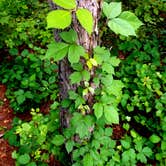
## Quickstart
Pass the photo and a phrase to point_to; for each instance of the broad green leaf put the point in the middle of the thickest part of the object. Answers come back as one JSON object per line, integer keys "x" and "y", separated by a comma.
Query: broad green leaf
{"x": 108, "y": 131}
{"x": 69, "y": 145}
{"x": 74, "y": 53}
{"x": 114, "y": 61}
{"x": 72, "y": 95}
{"x": 107, "y": 80}
{"x": 107, "y": 67}
{"x": 141, "y": 157}
{"x": 75, "y": 77}
{"x": 70, "y": 36}
{"x": 79, "y": 101}
{"x": 66, "y": 4}
{"x": 121, "y": 26}
{"x": 86, "y": 19}
{"x": 85, "y": 75}
{"x": 82, "y": 129}
{"x": 125, "y": 144}
{"x": 98, "y": 110}
{"x": 101, "y": 54}
{"x": 58, "y": 140}
{"x": 59, "y": 19}
{"x": 20, "y": 99}
{"x": 57, "y": 51}
{"x": 155, "y": 138}
{"x": 31, "y": 164}
{"x": 77, "y": 66}
{"x": 163, "y": 145}
{"x": 88, "y": 160}
{"x": 116, "y": 87}
{"x": 112, "y": 10}
{"x": 111, "y": 114}
{"x": 147, "y": 151}
{"x": 29, "y": 95}
{"x": 77, "y": 117}
{"x": 131, "y": 18}
{"x": 24, "y": 159}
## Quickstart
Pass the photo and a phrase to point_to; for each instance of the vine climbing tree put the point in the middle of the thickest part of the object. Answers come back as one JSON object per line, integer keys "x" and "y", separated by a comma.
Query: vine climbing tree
{"x": 81, "y": 41}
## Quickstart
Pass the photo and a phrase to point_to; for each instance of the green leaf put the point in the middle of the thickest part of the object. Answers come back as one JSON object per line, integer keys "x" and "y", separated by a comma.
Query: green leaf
{"x": 108, "y": 132}
{"x": 20, "y": 99}
{"x": 75, "y": 77}
{"x": 103, "y": 53}
{"x": 31, "y": 164}
{"x": 66, "y": 4}
{"x": 86, "y": 19}
{"x": 79, "y": 101}
{"x": 116, "y": 87}
{"x": 163, "y": 145}
{"x": 24, "y": 159}
{"x": 72, "y": 95}
{"x": 107, "y": 80}
{"x": 74, "y": 53}
{"x": 125, "y": 144}
{"x": 114, "y": 61}
{"x": 111, "y": 114}
{"x": 85, "y": 75}
{"x": 57, "y": 51}
{"x": 121, "y": 26}
{"x": 15, "y": 154}
{"x": 58, "y": 140}
{"x": 77, "y": 66}
{"x": 147, "y": 151}
{"x": 29, "y": 95}
{"x": 131, "y": 18}
{"x": 59, "y": 19}
{"x": 107, "y": 67}
{"x": 69, "y": 145}
{"x": 155, "y": 138}
{"x": 88, "y": 160}
{"x": 98, "y": 110}
{"x": 70, "y": 36}
{"x": 112, "y": 10}
{"x": 82, "y": 130}
{"x": 141, "y": 157}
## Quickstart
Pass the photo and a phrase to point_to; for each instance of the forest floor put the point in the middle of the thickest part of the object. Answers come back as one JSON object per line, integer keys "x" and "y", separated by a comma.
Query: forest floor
{"x": 6, "y": 117}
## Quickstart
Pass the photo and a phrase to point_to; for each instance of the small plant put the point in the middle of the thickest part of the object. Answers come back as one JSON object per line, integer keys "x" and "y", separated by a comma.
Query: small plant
{"x": 30, "y": 81}
{"x": 36, "y": 140}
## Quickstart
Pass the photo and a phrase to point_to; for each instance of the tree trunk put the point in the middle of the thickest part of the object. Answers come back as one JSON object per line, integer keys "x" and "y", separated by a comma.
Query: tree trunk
{"x": 88, "y": 42}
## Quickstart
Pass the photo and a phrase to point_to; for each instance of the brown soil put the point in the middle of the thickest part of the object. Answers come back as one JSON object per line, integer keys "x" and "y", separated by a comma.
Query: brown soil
{"x": 118, "y": 132}
{"x": 6, "y": 116}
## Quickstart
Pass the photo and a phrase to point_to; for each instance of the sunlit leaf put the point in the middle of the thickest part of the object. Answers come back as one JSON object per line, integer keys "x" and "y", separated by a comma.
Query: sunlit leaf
{"x": 59, "y": 19}
{"x": 121, "y": 26}
{"x": 86, "y": 19}
{"x": 66, "y": 4}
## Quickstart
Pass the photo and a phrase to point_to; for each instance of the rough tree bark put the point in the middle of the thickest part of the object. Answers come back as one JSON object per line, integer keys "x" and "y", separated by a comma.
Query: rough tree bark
{"x": 88, "y": 42}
